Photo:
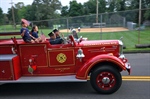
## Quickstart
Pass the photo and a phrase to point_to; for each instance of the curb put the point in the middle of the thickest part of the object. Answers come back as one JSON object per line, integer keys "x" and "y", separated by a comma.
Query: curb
{"x": 142, "y": 45}
{"x": 140, "y": 51}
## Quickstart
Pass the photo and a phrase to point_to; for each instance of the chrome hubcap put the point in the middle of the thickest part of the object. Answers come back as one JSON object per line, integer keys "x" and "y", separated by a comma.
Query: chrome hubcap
{"x": 106, "y": 80}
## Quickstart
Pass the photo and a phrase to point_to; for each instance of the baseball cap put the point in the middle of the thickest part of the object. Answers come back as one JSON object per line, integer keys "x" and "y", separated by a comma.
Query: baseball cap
{"x": 25, "y": 21}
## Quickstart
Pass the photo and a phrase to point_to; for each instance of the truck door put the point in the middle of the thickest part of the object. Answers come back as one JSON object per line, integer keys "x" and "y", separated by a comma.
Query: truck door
{"x": 62, "y": 59}
{"x": 36, "y": 51}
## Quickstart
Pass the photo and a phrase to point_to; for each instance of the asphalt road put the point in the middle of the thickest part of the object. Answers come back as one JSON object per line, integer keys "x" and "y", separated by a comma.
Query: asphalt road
{"x": 140, "y": 64}
{"x": 129, "y": 89}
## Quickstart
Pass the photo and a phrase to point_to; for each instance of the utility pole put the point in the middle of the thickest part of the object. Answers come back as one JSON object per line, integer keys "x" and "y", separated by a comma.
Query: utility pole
{"x": 139, "y": 21}
{"x": 96, "y": 11}
{"x": 13, "y": 17}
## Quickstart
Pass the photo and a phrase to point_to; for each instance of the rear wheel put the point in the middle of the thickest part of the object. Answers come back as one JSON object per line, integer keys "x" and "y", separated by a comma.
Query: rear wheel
{"x": 106, "y": 79}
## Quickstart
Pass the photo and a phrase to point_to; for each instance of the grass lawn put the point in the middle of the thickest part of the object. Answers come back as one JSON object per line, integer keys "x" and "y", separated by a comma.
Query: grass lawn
{"x": 130, "y": 38}
{"x": 9, "y": 28}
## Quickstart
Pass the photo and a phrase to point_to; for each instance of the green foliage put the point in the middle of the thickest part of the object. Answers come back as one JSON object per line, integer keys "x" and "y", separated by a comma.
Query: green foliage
{"x": 39, "y": 10}
{"x": 9, "y": 15}
{"x": 111, "y": 6}
{"x": 147, "y": 14}
{"x": 46, "y": 9}
{"x": 64, "y": 11}
{"x": 19, "y": 5}
{"x": 27, "y": 12}
{"x": 134, "y": 4}
{"x": 5, "y": 20}
{"x": 17, "y": 12}
{"x": 90, "y": 6}
{"x": 130, "y": 38}
{"x": 76, "y": 9}
{"x": 1, "y": 17}
{"x": 122, "y": 5}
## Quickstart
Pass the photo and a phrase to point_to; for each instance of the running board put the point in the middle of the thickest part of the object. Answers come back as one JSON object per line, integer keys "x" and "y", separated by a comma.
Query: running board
{"x": 44, "y": 79}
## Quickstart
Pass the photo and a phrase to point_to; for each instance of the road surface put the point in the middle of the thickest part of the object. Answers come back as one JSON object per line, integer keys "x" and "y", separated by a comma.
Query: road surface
{"x": 129, "y": 90}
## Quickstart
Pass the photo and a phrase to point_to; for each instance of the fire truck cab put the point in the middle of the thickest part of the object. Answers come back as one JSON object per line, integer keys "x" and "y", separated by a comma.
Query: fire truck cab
{"x": 99, "y": 61}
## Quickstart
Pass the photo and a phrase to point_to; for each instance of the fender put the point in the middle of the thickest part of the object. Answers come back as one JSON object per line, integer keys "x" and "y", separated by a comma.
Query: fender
{"x": 85, "y": 69}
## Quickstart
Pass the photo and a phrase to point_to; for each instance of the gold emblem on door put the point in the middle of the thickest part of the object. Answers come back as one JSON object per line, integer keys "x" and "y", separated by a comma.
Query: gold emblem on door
{"x": 61, "y": 58}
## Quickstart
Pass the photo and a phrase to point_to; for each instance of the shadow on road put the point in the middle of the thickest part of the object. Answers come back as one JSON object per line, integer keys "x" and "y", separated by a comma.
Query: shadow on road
{"x": 128, "y": 90}
{"x": 45, "y": 88}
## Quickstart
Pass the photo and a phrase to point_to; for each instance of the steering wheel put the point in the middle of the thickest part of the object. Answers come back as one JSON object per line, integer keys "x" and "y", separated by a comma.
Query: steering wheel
{"x": 63, "y": 41}
{"x": 66, "y": 40}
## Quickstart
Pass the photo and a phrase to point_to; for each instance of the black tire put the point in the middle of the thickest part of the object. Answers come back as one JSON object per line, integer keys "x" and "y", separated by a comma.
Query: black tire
{"x": 106, "y": 79}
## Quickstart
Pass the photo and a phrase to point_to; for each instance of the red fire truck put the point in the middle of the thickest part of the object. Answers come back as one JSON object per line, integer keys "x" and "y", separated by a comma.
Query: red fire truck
{"x": 99, "y": 61}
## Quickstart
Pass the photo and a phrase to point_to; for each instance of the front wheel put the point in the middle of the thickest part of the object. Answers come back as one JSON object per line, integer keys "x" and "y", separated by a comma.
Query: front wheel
{"x": 106, "y": 80}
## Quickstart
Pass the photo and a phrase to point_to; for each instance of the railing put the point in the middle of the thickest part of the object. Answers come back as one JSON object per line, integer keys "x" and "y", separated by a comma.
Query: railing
{"x": 9, "y": 33}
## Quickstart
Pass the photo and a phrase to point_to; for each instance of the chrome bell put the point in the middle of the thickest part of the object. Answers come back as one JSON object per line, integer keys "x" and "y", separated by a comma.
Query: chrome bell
{"x": 80, "y": 54}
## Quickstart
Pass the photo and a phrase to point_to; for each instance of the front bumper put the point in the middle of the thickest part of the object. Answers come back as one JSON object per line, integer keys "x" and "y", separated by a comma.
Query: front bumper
{"x": 125, "y": 61}
{"x": 128, "y": 67}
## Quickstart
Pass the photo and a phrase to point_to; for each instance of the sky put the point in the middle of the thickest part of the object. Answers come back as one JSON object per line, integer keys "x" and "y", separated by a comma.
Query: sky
{"x": 5, "y": 4}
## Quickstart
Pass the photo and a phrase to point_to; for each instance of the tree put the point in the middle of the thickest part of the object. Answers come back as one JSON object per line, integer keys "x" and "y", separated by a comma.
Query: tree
{"x": 102, "y": 6}
{"x": 75, "y": 9}
{"x": 111, "y": 5}
{"x": 86, "y": 9}
{"x": 17, "y": 12}
{"x": 46, "y": 9}
{"x": 117, "y": 5}
{"x": 9, "y": 15}
{"x": 134, "y": 4}
{"x": 6, "y": 21}
{"x": 65, "y": 11}
{"x": 19, "y": 5}
{"x": 121, "y": 5}
{"x": 90, "y": 6}
{"x": 27, "y": 12}
{"x": 1, "y": 16}
{"x": 147, "y": 14}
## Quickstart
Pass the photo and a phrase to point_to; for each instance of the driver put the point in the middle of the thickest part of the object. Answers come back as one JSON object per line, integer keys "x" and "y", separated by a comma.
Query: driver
{"x": 53, "y": 39}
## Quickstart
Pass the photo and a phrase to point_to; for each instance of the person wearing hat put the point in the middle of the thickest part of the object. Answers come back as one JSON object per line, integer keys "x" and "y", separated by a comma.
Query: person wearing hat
{"x": 24, "y": 31}
{"x": 53, "y": 39}
{"x": 74, "y": 33}
{"x": 57, "y": 33}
